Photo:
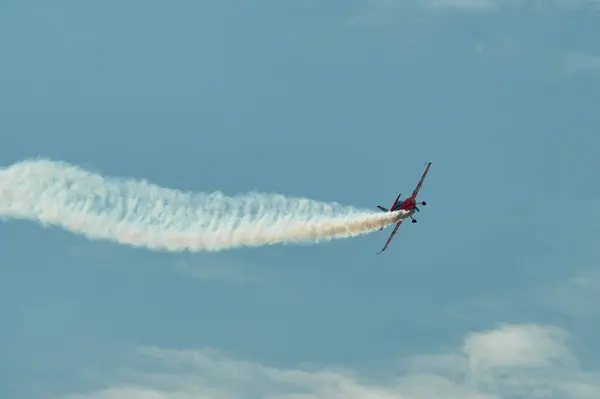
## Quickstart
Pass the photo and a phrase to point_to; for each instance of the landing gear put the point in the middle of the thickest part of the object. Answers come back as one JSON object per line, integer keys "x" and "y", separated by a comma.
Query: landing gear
{"x": 424, "y": 203}
{"x": 413, "y": 220}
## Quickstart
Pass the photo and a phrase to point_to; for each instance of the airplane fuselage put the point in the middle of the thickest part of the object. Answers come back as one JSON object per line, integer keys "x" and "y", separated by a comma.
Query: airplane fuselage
{"x": 408, "y": 204}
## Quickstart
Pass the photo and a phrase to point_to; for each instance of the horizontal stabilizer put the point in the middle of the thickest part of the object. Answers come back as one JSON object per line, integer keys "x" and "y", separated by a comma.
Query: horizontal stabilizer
{"x": 382, "y": 208}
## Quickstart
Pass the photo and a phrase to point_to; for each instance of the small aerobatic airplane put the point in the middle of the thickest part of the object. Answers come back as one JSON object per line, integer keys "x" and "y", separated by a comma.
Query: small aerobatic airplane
{"x": 409, "y": 204}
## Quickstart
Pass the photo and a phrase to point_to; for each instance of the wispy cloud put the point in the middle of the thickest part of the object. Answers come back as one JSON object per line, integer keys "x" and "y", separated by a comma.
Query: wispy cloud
{"x": 384, "y": 12}
{"x": 517, "y": 346}
{"x": 508, "y": 4}
{"x": 579, "y": 296}
{"x": 499, "y": 49}
{"x": 216, "y": 271}
{"x": 530, "y": 361}
{"x": 374, "y": 12}
{"x": 581, "y": 64}
{"x": 476, "y": 5}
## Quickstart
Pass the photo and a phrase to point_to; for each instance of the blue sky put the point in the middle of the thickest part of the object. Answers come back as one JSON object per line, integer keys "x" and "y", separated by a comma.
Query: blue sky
{"x": 494, "y": 291}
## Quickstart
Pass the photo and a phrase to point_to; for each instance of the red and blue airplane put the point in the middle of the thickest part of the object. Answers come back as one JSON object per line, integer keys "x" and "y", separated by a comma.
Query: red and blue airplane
{"x": 409, "y": 204}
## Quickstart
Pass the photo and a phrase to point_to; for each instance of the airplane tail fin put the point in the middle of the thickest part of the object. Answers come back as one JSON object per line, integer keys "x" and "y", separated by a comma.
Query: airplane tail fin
{"x": 384, "y": 210}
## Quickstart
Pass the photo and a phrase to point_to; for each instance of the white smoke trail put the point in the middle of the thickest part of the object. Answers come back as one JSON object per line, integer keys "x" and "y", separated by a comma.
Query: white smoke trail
{"x": 141, "y": 214}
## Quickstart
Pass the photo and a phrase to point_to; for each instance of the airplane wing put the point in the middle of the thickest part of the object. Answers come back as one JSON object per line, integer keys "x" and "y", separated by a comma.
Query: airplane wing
{"x": 414, "y": 194}
{"x": 391, "y": 235}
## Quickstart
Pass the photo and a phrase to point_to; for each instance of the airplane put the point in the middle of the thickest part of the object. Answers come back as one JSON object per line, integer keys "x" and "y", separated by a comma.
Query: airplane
{"x": 409, "y": 204}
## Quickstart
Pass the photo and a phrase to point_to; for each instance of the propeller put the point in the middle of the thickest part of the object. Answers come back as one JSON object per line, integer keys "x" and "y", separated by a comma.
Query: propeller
{"x": 422, "y": 203}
